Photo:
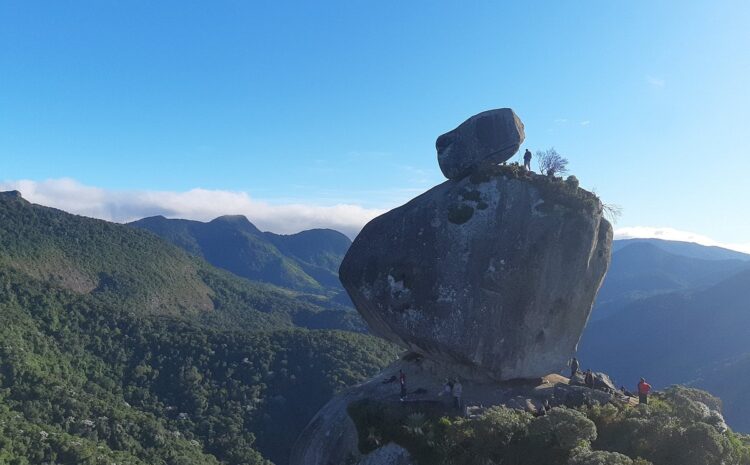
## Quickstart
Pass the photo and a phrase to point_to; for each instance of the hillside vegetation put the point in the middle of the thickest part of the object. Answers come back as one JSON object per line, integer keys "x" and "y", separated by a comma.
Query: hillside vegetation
{"x": 116, "y": 365}
{"x": 126, "y": 265}
{"x": 679, "y": 427}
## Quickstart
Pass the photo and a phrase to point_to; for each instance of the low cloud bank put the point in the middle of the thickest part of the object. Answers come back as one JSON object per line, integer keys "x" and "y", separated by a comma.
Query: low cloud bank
{"x": 671, "y": 234}
{"x": 196, "y": 204}
{"x": 204, "y": 205}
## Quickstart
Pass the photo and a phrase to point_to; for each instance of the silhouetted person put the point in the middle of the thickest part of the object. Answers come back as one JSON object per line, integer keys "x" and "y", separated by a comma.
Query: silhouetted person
{"x": 447, "y": 390}
{"x": 643, "y": 390}
{"x": 402, "y": 382}
{"x": 544, "y": 408}
{"x": 589, "y": 379}
{"x": 457, "y": 391}
{"x": 574, "y": 366}
{"x": 527, "y": 160}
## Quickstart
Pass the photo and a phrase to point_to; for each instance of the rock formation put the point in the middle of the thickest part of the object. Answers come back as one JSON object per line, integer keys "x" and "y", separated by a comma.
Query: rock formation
{"x": 494, "y": 273}
{"x": 490, "y": 137}
{"x": 489, "y": 276}
{"x": 332, "y": 436}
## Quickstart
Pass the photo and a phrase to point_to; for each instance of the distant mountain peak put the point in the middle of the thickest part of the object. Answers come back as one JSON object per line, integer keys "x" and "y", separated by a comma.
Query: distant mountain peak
{"x": 232, "y": 218}
{"x": 236, "y": 220}
{"x": 14, "y": 195}
{"x": 307, "y": 261}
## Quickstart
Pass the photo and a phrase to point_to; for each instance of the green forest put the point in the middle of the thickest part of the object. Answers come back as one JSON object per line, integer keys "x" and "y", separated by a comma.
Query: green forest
{"x": 117, "y": 347}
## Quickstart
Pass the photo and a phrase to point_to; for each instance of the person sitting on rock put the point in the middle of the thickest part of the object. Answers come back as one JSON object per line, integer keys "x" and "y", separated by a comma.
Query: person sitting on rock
{"x": 574, "y": 366}
{"x": 457, "y": 391}
{"x": 643, "y": 390}
{"x": 402, "y": 382}
{"x": 527, "y": 160}
{"x": 589, "y": 379}
{"x": 544, "y": 408}
{"x": 392, "y": 379}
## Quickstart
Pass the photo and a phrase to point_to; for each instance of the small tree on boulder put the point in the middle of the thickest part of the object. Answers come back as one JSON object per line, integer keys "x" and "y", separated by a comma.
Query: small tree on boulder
{"x": 551, "y": 163}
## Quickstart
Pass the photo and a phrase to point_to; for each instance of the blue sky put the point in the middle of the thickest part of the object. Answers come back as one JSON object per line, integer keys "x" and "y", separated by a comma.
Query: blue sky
{"x": 333, "y": 108}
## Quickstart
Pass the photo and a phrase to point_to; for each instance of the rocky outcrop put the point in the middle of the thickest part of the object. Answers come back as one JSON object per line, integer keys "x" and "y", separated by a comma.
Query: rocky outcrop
{"x": 390, "y": 454}
{"x": 489, "y": 277}
{"x": 332, "y": 437}
{"x": 494, "y": 274}
{"x": 490, "y": 137}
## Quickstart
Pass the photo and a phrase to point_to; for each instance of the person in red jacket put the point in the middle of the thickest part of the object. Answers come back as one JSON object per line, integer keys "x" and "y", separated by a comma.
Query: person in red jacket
{"x": 643, "y": 389}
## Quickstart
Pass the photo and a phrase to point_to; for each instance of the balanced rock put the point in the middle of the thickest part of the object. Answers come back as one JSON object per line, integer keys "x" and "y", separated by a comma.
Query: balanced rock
{"x": 491, "y": 137}
{"x": 494, "y": 274}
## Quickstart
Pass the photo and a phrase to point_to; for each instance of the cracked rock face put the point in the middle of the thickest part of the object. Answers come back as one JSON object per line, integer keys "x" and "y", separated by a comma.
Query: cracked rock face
{"x": 488, "y": 274}
{"x": 491, "y": 137}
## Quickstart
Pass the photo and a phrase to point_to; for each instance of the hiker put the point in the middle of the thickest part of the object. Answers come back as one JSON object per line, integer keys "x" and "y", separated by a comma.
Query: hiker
{"x": 588, "y": 379}
{"x": 457, "y": 391}
{"x": 643, "y": 389}
{"x": 544, "y": 408}
{"x": 447, "y": 390}
{"x": 527, "y": 160}
{"x": 402, "y": 382}
{"x": 574, "y": 366}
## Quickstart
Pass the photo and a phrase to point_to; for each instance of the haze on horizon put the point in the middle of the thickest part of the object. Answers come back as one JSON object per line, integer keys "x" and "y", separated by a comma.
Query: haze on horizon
{"x": 301, "y": 115}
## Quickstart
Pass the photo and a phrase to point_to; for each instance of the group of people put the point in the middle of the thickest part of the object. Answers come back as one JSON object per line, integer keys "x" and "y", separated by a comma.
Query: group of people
{"x": 453, "y": 390}
{"x": 589, "y": 379}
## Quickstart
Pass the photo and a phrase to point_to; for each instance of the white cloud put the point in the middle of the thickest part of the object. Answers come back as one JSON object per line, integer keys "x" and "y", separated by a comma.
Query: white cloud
{"x": 196, "y": 204}
{"x": 290, "y": 217}
{"x": 656, "y": 81}
{"x": 672, "y": 234}
{"x": 585, "y": 123}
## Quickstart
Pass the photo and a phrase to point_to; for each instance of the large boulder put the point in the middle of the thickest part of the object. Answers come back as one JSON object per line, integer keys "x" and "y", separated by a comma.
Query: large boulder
{"x": 491, "y": 137}
{"x": 494, "y": 274}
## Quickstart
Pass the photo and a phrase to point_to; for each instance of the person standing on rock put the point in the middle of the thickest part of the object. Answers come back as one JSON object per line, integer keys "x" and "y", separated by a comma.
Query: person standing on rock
{"x": 588, "y": 379}
{"x": 402, "y": 382}
{"x": 527, "y": 160}
{"x": 447, "y": 390}
{"x": 643, "y": 390}
{"x": 574, "y": 366}
{"x": 457, "y": 391}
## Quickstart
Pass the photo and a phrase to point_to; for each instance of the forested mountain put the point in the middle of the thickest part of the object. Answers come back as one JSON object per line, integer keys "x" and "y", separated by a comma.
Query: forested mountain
{"x": 128, "y": 265}
{"x": 306, "y": 261}
{"x": 645, "y": 268}
{"x": 118, "y": 347}
{"x": 679, "y": 337}
{"x": 675, "y": 312}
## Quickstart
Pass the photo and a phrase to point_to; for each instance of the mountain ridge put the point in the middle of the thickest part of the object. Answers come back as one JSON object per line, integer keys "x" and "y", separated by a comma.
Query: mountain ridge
{"x": 643, "y": 269}
{"x": 305, "y": 261}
